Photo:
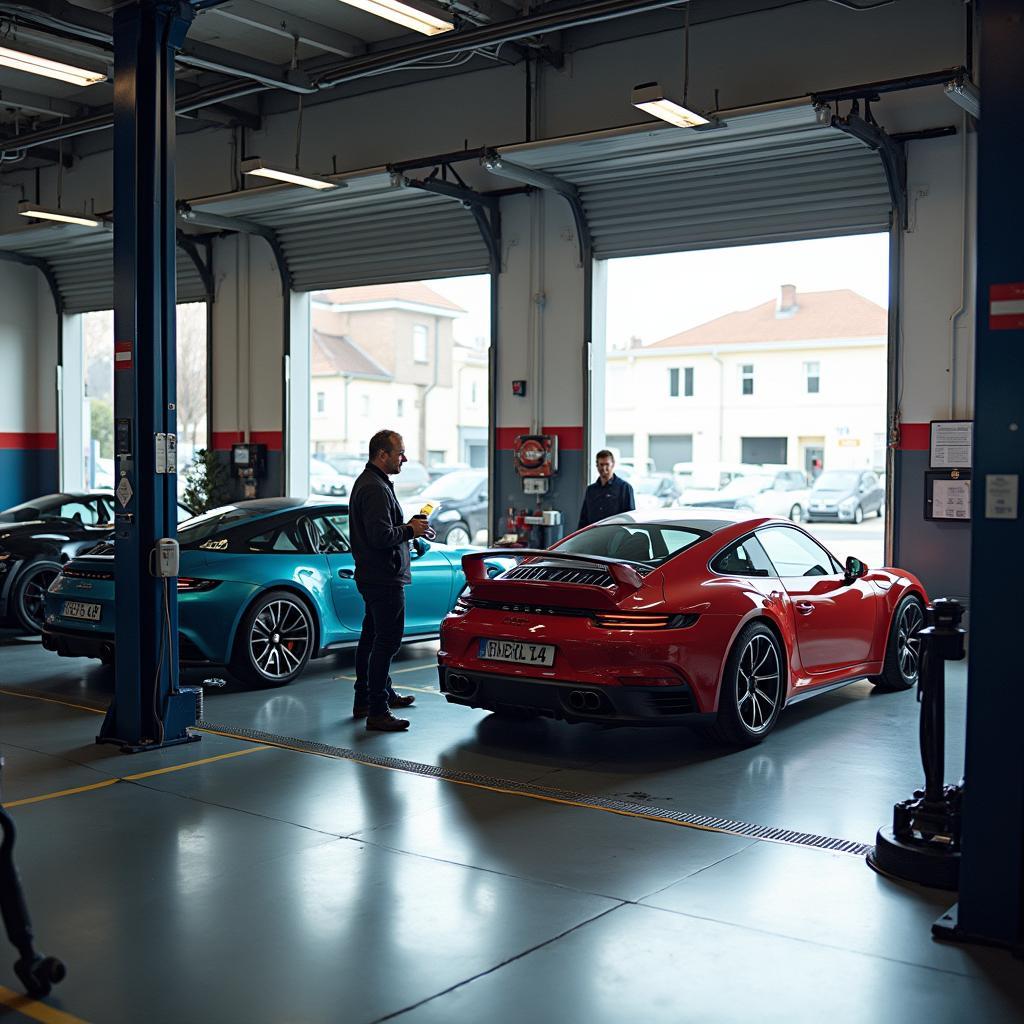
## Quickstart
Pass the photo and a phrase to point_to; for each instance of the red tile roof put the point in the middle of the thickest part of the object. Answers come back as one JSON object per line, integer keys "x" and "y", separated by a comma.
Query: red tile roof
{"x": 836, "y": 314}
{"x": 335, "y": 355}
{"x": 411, "y": 291}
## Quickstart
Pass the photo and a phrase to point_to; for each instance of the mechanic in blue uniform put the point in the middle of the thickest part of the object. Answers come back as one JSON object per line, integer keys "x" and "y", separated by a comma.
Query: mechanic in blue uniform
{"x": 608, "y": 495}
{"x": 380, "y": 547}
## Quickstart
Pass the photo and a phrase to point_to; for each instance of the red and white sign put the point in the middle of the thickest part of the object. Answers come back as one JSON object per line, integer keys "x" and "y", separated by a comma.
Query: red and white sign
{"x": 1006, "y": 307}
{"x": 124, "y": 355}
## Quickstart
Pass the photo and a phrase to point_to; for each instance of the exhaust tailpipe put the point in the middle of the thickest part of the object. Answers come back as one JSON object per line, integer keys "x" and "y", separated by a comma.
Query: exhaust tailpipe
{"x": 592, "y": 702}
{"x": 577, "y": 700}
{"x": 458, "y": 684}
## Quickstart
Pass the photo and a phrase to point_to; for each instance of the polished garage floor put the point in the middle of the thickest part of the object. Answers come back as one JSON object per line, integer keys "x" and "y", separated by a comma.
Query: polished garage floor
{"x": 241, "y": 880}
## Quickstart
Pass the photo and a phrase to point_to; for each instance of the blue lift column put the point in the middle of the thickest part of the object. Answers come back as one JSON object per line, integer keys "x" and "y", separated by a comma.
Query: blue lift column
{"x": 149, "y": 710}
{"x": 991, "y": 907}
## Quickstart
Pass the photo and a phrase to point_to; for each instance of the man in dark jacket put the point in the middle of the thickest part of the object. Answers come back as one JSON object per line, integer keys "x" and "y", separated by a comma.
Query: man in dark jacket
{"x": 608, "y": 495}
{"x": 380, "y": 547}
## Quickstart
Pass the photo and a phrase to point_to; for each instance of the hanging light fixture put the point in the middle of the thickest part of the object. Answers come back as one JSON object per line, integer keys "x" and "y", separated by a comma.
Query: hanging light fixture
{"x": 653, "y": 99}
{"x": 21, "y": 61}
{"x": 408, "y": 15}
{"x": 260, "y": 169}
{"x": 27, "y": 209}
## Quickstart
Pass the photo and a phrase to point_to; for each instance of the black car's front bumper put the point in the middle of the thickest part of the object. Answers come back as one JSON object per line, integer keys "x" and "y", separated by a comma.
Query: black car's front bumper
{"x": 571, "y": 701}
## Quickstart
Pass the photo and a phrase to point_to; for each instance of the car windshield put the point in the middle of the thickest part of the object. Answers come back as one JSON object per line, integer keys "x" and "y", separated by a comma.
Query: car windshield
{"x": 452, "y": 486}
{"x": 50, "y": 506}
{"x": 837, "y": 480}
{"x": 196, "y": 530}
{"x": 645, "y": 544}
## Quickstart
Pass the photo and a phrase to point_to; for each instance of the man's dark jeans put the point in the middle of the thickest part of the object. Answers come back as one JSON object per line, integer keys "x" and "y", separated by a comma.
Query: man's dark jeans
{"x": 383, "y": 626}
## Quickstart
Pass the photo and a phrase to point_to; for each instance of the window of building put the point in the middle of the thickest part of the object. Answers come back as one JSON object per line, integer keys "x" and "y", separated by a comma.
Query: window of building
{"x": 419, "y": 344}
{"x": 688, "y": 382}
{"x": 673, "y": 382}
{"x": 812, "y": 374}
{"x": 747, "y": 379}
{"x": 400, "y": 408}
{"x": 321, "y": 402}
{"x": 436, "y": 457}
{"x": 472, "y": 392}
{"x": 365, "y": 405}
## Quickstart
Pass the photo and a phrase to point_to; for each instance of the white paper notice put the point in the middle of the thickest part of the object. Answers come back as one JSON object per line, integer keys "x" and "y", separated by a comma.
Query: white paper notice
{"x": 1001, "y": 496}
{"x": 951, "y": 445}
{"x": 951, "y": 499}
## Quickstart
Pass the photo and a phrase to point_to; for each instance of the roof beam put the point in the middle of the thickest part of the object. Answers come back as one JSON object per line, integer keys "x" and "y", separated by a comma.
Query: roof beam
{"x": 290, "y": 26}
{"x": 213, "y": 58}
{"x": 36, "y": 104}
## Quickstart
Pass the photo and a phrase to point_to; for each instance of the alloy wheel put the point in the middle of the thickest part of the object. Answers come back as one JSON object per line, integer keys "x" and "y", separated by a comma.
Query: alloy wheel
{"x": 908, "y": 644}
{"x": 34, "y": 594}
{"x": 758, "y": 684}
{"x": 279, "y": 638}
{"x": 457, "y": 537}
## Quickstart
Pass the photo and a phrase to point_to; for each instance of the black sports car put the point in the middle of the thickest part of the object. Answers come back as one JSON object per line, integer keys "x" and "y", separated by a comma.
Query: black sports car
{"x": 41, "y": 535}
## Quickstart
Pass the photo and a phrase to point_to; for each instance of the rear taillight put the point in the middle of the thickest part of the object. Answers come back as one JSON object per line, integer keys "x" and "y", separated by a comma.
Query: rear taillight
{"x": 190, "y": 585}
{"x": 627, "y": 620}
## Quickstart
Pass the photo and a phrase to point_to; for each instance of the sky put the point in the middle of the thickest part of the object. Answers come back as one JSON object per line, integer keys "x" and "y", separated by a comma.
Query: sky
{"x": 654, "y": 297}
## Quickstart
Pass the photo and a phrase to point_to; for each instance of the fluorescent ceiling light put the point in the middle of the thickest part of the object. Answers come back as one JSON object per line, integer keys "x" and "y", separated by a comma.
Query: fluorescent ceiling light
{"x": 49, "y": 68}
{"x": 259, "y": 169}
{"x": 405, "y": 15}
{"x": 63, "y": 216}
{"x": 652, "y": 98}
{"x": 964, "y": 94}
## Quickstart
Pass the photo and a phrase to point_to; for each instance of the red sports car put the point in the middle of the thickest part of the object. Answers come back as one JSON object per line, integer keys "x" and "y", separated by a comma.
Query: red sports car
{"x": 678, "y": 616}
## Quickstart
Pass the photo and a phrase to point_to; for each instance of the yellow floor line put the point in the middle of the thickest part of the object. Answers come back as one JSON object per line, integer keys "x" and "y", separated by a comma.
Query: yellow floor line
{"x": 53, "y": 700}
{"x": 36, "y": 1010}
{"x": 59, "y": 793}
{"x": 134, "y": 778}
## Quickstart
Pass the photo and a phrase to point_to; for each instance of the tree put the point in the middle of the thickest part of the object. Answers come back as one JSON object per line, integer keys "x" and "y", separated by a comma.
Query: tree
{"x": 101, "y": 426}
{"x": 192, "y": 373}
{"x": 206, "y": 482}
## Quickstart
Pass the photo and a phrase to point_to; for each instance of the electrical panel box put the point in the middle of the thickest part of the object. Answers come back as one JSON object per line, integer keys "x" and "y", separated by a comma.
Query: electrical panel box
{"x": 249, "y": 460}
{"x": 536, "y": 455}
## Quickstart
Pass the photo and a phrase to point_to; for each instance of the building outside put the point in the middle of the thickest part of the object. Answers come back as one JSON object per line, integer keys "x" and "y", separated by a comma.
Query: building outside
{"x": 794, "y": 380}
{"x": 385, "y": 356}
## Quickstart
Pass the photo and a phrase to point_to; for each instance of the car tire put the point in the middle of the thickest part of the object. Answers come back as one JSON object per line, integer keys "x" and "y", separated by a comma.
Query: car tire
{"x": 29, "y": 593}
{"x": 747, "y": 711}
{"x": 858, "y": 516}
{"x": 902, "y": 650}
{"x": 275, "y": 639}
{"x": 457, "y": 535}
{"x": 796, "y": 514}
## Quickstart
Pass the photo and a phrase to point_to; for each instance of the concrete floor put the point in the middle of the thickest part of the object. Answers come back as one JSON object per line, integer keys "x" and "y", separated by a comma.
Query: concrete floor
{"x": 256, "y": 884}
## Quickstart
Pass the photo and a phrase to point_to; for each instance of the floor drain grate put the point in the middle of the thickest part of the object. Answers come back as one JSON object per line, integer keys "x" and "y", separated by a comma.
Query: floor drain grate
{"x": 631, "y": 808}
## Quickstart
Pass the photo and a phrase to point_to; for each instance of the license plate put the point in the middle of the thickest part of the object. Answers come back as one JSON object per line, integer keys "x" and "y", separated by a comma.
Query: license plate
{"x": 82, "y": 610}
{"x": 520, "y": 653}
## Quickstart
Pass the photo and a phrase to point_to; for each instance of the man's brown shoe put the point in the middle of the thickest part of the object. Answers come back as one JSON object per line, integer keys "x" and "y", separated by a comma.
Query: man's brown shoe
{"x": 387, "y": 723}
{"x": 397, "y": 701}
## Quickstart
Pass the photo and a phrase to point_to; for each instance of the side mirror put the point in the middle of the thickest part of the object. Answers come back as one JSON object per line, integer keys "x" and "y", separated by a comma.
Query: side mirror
{"x": 419, "y": 547}
{"x": 855, "y": 569}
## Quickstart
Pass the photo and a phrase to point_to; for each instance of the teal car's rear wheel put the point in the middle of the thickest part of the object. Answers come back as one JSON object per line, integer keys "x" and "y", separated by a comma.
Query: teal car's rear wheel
{"x": 29, "y": 594}
{"x": 275, "y": 640}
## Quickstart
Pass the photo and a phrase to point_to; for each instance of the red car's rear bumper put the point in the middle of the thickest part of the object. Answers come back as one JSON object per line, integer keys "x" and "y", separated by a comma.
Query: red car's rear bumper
{"x": 629, "y": 676}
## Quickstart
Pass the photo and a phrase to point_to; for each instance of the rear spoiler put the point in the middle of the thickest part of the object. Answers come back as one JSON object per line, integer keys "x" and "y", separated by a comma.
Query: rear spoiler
{"x": 627, "y": 580}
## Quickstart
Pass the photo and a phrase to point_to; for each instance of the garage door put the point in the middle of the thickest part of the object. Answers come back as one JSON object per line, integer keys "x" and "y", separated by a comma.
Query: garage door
{"x": 668, "y": 449}
{"x": 764, "y": 175}
{"x": 758, "y": 450}
{"x": 621, "y": 443}
{"x": 367, "y": 232}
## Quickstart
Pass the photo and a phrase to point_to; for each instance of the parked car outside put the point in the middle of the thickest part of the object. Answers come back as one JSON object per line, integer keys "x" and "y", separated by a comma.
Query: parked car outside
{"x": 461, "y": 500}
{"x": 678, "y": 617}
{"x": 846, "y": 496}
{"x": 413, "y": 479}
{"x": 659, "y": 490}
{"x": 742, "y": 490}
{"x": 699, "y": 480}
{"x": 39, "y": 536}
{"x": 323, "y": 479}
{"x": 788, "y": 496}
{"x": 264, "y": 586}
{"x": 439, "y": 469}
{"x": 636, "y": 466}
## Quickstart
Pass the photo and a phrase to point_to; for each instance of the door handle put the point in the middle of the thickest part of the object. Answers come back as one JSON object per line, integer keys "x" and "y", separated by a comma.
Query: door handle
{"x": 804, "y": 607}
{"x": 346, "y": 574}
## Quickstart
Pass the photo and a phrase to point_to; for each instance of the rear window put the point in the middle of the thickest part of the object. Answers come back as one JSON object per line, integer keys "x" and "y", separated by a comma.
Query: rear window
{"x": 644, "y": 544}
{"x": 211, "y": 524}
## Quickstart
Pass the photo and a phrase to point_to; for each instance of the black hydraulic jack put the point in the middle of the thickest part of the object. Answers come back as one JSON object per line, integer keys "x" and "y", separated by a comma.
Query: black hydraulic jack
{"x": 923, "y": 844}
{"x": 37, "y": 973}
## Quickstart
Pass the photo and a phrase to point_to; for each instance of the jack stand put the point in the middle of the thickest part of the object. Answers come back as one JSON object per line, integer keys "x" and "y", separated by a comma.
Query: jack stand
{"x": 37, "y": 973}
{"x": 923, "y": 844}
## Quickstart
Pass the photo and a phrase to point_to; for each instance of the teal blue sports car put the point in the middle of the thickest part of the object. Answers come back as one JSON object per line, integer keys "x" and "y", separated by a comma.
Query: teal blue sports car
{"x": 263, "y": 587}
